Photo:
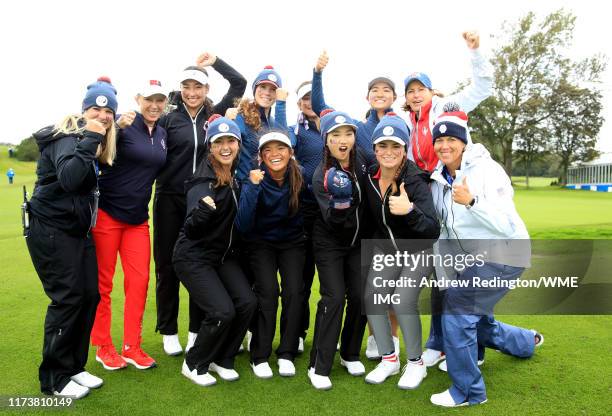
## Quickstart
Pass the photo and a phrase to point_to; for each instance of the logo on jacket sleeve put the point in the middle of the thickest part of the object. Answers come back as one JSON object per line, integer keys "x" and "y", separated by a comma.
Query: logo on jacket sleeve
{"x": 163, "y": 144}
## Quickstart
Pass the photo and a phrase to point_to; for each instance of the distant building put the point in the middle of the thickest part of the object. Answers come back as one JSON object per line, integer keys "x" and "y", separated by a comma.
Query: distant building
{"x": 592, "y": 176}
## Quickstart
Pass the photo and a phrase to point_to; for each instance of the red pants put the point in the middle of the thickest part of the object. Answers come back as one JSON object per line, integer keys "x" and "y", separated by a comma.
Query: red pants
{"x": 133, "y": 245}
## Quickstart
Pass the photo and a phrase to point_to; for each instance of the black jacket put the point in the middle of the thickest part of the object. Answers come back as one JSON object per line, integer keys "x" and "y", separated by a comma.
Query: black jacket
{"x": 420, "y": 223}
{"x": 186, "y": 136}
{"x": 208, "y": 234}
{"x": 63, "y": 195}
{"x": 342, "y": 227}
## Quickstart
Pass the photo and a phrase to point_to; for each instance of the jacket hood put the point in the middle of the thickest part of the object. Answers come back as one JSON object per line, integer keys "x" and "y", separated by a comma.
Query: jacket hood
{"x": 474, "y": 153}
{"x": 47, "y": 135}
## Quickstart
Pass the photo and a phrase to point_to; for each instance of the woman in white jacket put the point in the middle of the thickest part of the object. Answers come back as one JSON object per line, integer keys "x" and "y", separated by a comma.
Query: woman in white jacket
{"x": 473, "y": 199}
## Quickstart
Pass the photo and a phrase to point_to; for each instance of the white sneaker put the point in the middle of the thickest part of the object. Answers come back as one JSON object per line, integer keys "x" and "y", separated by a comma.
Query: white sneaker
{"x": 301, "y": 345}
{"x": 383, "y": 370}
{"x": 443, "y": 367}
{"x": 172, "y": 346}
{"x": 538, "y": 335}
{"x": 191, "y": 339}
{"x": 445, "y": 399}
{"x": 262, "y": 370}
{"x": 372, "y": 349}
{"x": 317, "y": 381}
{"x": 432, "y": 357}
{"x": 413, "y": 374}
{"x": 227, "y": 374}
{"x": 286, "y": 368}
{"x": 72, "y": 390}
{"x": 200, "y": 379}
{"x": 87, "y": 380}
{"x": 354, "y": 368}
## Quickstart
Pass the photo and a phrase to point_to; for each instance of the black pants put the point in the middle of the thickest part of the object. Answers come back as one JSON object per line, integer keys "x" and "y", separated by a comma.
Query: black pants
{"x": 228, "y": 303}
{"x": 68, "y": 271}
{"x": 339, "y": 279}
{"x": 168, "y": 218}
{"x": 266, "y": 260}
{"x": 310, "y": 213}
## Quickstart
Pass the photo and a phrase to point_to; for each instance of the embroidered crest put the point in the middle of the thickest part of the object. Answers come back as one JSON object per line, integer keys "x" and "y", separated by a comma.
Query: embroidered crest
{"x": 101, "y": 101}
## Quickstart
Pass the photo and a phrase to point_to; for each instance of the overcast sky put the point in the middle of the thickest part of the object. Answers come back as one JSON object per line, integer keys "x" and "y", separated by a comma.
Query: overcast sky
{"x": 52, "y": 50}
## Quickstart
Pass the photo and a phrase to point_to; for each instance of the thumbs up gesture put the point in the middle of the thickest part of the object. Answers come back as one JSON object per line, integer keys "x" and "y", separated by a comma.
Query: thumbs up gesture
{"x": 461, "y": 192}
{"x": 322, "y": 62}
{"x": 400, "y": 205}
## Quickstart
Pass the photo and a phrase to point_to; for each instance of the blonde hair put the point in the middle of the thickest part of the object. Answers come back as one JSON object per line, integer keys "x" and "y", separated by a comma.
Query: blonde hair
{"x": 75, "y": 124}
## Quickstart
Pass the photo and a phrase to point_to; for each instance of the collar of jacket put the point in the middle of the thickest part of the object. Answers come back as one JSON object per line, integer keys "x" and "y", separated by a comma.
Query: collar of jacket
{"x": 409, "y": 169}
{"x": 302, "y": 120}
{"x": 423, "y": 113}
{"x": 264, "y": 118}
{"x": 373, "y": 116}
{"x": 139, "y": 122}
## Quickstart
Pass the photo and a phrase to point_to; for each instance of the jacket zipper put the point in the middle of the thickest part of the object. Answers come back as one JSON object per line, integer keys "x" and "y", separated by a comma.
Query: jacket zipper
{"x": 195, "y": 136}
{"x": 382, "y": 208}
{"x": 418, "y": 146}
{"x": 357, "y": 211}
{"x": 231, "y": 228}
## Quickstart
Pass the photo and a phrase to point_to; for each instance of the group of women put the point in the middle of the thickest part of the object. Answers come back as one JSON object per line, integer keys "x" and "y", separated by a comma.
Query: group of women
{"x": 241, "y": 198}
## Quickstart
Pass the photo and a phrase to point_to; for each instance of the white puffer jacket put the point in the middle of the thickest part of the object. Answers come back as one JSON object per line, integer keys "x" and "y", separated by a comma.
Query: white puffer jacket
{"x": 493, "y": 216}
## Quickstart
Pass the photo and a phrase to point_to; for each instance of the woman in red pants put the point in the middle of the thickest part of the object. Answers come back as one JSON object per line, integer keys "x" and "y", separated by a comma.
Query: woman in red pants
{"x": 123, "y": 227}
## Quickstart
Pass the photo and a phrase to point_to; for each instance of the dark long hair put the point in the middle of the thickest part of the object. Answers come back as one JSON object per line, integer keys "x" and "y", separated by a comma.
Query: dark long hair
{"x": 224, "y": 176}
{"x": 296, "y": 182}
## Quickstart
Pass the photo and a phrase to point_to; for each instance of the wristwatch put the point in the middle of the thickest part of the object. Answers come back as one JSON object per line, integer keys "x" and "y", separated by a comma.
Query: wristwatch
{"x": 472, "y": 202}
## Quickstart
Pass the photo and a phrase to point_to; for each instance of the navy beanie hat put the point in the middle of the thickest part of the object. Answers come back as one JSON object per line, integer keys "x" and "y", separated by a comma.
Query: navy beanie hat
{"x": 452, "y": 124}
{"x": 218, "y": 126}
{"x": 268, "y": 76}
{"x": 391, "y": 127}
{"x": 331, "y": 120}
{"x": 101, "y": 94}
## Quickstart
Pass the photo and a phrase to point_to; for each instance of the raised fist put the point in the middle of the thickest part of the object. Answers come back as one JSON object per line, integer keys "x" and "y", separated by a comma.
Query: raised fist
{"x": 95, "y": 126}
{"x": 472, "y": 39}
{"x": 126, "y": 119}
{"x": 256, "y": 176}
{"x": 206, "y": 59}
{"x": 231, "y": 113}
{"x": 281, "y": 94}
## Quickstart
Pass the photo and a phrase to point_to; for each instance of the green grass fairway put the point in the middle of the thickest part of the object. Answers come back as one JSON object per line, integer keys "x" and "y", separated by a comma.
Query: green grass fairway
{"x": 570, "y": 374}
